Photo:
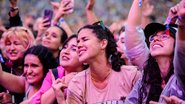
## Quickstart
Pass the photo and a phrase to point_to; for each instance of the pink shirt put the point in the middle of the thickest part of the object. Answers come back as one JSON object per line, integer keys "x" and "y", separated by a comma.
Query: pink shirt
{"x": 81, "y": 87}
{"x": 47, "y": 84}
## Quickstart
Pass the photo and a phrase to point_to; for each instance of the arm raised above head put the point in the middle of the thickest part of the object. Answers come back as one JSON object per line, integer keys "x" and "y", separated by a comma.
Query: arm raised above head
{"x": 136, "y": 48}
{"x": 179, "y": 57}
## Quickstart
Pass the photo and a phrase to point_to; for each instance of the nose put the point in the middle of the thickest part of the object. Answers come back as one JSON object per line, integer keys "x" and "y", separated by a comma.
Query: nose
{"x": 12, "y": 47}
{"x": 79, "y": 45}
{"x": 47, "y": 36}
{"x": 156, "y": 38}
{"x": 28, "y": 70}
{"x": 66, "y": 51}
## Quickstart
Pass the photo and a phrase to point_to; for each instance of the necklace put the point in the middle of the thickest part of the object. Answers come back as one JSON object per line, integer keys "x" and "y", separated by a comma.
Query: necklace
{"x": 97, "y": 80}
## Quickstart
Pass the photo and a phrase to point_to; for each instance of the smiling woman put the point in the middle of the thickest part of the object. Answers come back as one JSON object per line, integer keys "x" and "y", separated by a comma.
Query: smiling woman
{"x": 53, "y": 39}
{"x": 16, "y": 41}
{"x": 37, "y": 61}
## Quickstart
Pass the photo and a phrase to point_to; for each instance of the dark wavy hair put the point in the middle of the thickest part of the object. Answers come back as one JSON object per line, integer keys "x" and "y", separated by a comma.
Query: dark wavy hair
{"x": 69, "y": 38}
{"x": 112, "y": 54}
{"x": 45, "y": 56}
{"x": 63, "y": 35}
{"x": 152, "y": 79}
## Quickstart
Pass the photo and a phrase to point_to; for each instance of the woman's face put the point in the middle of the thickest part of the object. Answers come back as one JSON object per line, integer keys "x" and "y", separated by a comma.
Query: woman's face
{"x": 162, "y": 45}
{"x": 14, "y": 48}
{"x": 89, "y": 46}
{"x": 121, "y": 45}
{"x": 52, "y": 38}
{"x": 69, "y": 54}
{"x": 33, "y": 69}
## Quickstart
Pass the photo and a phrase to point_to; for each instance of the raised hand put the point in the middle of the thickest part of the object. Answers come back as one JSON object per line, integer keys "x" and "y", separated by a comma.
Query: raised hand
{"x": 90, "y": 4}
{"x": 62, "y": 8}
{"x": 173, "y": 12}
{"x": 181, "y": 11}
{"x": 5, "y": 98}
{"x": 13, "y": 3}
{"x": 172, "y": 100}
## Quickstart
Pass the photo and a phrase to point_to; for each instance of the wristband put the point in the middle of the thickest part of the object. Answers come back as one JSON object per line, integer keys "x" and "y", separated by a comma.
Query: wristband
{"x": 140, "y": 3}
{"x": 61, "y": 21}
{"x": 181, "y": 21}
{"x": 13, "y": 9}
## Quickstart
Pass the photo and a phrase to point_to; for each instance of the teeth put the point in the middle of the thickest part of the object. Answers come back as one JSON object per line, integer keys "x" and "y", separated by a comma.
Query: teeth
{"x": 156, "y": 46}
{"x": 81, "y": 52}
{"x": 65, "y": 58}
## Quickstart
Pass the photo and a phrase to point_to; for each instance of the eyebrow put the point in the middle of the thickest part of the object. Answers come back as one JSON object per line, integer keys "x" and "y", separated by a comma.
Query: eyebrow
{"x": 74, "y": 45}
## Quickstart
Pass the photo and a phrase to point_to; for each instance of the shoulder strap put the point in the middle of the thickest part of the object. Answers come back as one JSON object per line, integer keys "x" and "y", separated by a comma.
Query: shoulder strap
{"x": 55, "y": 73}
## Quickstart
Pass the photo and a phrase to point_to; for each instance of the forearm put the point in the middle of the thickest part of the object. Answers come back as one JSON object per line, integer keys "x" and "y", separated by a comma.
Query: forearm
{"x": 179, "y": 57}
{"x": 91, "y": 16}
{"x": 15, "y": 19}
{"x": 12, "y": 82}
{"x": 66, "y": 27}
{"x": 61, "y": 100}
{"x": 135, "y": 14}
{"x": 48, "y": 97}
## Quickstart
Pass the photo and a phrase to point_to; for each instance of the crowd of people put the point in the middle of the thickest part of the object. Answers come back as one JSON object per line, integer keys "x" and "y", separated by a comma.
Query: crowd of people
{"x": 133, "y": 61}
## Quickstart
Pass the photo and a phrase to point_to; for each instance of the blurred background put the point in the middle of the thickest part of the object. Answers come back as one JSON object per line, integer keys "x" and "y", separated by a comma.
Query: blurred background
{"x": 108, "y": 10}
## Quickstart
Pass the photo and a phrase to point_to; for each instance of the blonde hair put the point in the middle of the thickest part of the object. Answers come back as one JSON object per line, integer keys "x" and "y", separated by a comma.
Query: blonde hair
{"x": 22, "y": 33}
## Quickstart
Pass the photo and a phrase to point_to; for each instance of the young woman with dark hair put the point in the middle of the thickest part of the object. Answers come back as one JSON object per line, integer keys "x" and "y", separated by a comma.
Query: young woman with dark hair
{"x": 97, "y": 84}
{"x": 69, "y": 66}
{"x": 53, "y": 39}
{"x": 155, "y": 61}
{"x": 37, "y": 61}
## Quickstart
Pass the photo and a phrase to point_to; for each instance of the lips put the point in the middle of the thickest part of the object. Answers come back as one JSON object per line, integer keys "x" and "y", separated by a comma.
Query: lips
{"x": 81, "y": 51}
{"x": 30, "y": 77}
{"x": 13, "y": 53}
{"x": 46, "y": 42}
{"x": 157, "y": 45}
{"x": 65, "y": 58}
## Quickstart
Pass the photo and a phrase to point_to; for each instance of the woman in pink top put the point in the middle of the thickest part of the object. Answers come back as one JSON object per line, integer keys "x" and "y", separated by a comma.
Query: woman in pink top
{"x": 106, "y": 79}
{"x": 69, "y": 62}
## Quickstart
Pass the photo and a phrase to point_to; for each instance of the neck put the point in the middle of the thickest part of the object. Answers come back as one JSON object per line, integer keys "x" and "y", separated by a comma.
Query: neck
{"x": 36, "y": 87}
{"x": 164, "y": 65}
{"x": 127, "y": 61}
{"x": 100, "y": 69}
{"x": 73, "y": 69}
{"x": 55, "y": 53}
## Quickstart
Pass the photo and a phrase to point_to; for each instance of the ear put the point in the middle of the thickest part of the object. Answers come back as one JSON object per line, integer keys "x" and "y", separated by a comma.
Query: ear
{"x": 60, "y": 47}
{"x": 103, "y": 43}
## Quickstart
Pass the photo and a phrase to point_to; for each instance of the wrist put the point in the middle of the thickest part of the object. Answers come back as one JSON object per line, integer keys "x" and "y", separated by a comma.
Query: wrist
{"x": 181, "y": 22}
{"x": 14, "y": 9}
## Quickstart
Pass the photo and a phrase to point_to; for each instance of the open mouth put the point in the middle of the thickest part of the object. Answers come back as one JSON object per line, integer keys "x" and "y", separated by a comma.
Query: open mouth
{"x": 156, "y": 45}
{"x": 81, "y": 51}
{"x": 65, "y": 58}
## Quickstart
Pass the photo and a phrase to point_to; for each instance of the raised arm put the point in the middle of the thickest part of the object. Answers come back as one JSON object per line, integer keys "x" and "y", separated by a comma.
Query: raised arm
{"x": 91, "y": 16}
{"x": 14, "y": 18}
{"x": 12, "y": 82}
{"x": 137, "y": 50}
{"x": 179, "y": 57}
{"x": 60, "y": 10}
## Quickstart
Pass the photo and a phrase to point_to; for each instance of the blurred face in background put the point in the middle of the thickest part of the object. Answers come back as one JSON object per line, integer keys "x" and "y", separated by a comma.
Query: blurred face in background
{"x": 121, "y": 45}
{"x": 52, "y": 38}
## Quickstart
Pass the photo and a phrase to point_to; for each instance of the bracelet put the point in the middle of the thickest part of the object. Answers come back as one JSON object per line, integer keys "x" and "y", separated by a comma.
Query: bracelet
{"x": 140, "y": 3}
{"x": 61, "y": 21}
{"x": 181, "y": 21}
{"x": 13, "y": 9}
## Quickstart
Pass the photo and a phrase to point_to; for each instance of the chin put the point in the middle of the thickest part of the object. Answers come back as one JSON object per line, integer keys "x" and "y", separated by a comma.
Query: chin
{"x": 13, "y": 58}
{"x": 82, "y": 60}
